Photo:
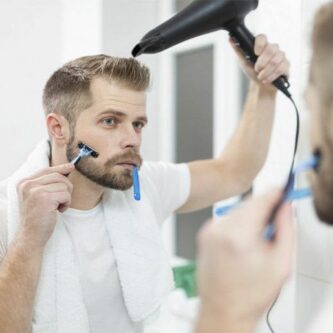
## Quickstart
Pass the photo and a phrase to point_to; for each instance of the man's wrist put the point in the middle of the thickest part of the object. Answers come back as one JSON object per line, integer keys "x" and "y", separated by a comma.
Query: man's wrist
{"x": 27, "y": 243}
{"x": 211, "y": 321}
{"x": 263, "y": 90}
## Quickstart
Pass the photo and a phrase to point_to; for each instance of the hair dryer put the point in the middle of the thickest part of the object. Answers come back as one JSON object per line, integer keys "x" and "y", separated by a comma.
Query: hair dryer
{"x": 201, "y": 17}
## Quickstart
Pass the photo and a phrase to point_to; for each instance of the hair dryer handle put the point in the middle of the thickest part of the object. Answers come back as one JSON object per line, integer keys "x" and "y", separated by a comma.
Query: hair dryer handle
{"x": 245, "y": 40}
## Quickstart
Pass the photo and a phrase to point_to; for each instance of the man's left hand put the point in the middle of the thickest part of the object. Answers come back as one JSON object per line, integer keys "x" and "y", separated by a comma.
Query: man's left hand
{"x": 271, "y": 62}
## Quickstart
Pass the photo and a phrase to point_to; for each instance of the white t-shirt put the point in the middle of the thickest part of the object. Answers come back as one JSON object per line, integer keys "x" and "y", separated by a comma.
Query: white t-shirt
{"x": 98, "y": 272}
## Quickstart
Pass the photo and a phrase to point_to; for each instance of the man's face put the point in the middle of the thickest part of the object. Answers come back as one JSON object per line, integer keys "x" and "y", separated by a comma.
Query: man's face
{"x": 321, "y": 139}
{"x": 112, "y": 126}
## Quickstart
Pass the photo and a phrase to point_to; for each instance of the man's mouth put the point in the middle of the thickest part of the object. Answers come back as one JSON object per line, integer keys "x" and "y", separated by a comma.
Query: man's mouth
{"x": 127, "y": 164}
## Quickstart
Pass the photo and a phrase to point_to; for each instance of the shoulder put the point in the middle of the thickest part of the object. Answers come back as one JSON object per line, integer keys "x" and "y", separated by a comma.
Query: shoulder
{"x": 163, "y": 169}
{"x": 163, "y": 176}
{"x": 167, "y": 185}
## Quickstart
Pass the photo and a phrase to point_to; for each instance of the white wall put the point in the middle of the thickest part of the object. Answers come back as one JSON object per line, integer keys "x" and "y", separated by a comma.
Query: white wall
{"x": 30, "y": 49}
{"x": 37, "y": 37}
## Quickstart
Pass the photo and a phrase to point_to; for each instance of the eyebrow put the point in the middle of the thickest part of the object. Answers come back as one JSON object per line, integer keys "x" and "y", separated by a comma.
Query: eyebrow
{"x": 122, "y": 114}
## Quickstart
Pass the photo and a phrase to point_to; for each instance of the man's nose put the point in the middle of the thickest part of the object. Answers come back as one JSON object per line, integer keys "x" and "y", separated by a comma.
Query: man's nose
{"x": 129, "y": 137}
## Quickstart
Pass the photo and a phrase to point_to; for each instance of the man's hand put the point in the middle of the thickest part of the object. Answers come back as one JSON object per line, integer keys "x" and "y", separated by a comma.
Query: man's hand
{"x": 40, "y": 197}
{"x": 271, "y": 62}
{"x": 240, "y": 273}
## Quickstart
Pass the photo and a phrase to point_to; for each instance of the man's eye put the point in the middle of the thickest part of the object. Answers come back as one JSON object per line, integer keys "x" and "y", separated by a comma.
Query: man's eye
{"x": 139, "y": 125}
{"x": 108, "y": 121}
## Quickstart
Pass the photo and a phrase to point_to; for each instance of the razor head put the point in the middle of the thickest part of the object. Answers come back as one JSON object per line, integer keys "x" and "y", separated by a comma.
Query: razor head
{"x": 317, "y": 158}
{"x": 87, "y": 151}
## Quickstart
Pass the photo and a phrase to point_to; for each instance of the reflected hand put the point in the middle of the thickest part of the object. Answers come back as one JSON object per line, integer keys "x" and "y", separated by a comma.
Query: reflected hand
{"x": 240, "y": 273}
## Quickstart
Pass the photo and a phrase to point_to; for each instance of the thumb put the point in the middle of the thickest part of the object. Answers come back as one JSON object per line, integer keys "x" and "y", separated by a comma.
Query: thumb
{"x": 257, "y": 211}
{"x": 260, "y": 44}
{"x": 284, "y": 239}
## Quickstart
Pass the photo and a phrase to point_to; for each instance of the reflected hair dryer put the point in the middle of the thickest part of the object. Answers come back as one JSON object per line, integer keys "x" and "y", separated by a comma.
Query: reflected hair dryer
{"x": 202, "y": 17}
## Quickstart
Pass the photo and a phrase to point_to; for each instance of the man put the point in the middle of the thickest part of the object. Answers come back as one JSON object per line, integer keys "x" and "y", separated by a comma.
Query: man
{"x": 235, "y": 261}
{"x": 82, "y": 255}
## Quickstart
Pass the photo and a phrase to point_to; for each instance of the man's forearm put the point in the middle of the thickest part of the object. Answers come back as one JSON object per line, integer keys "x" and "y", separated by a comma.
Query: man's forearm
{"x": 234, "y": 171}
{"x": 19, "y": 274}
{"x": 247, "y": 149}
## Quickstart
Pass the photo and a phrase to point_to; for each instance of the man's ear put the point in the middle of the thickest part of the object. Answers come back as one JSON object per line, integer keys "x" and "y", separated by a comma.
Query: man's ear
{"x": 58, "y": 128}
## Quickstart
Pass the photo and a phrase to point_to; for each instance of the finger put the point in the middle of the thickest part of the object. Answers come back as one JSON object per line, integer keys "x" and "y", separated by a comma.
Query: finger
{"x": 284, "y": 237}
{"x": 47, "y": 180}
{"x": 62, "y": 169}
{"x": 57, "y": 187}
{"x": 281, "y": 69}
{"x": 61, "y": 200}
{"x": 54, "y": 178}
{"x": 52, "y": 198}
{"x": 283, "y": 245}
{"x": 266, "y": 56}
{"x": 271, "y": 66}
{"x": 51, "y": 188}
{"x": 255, "y": 213}
{"x": 260, "y": 44}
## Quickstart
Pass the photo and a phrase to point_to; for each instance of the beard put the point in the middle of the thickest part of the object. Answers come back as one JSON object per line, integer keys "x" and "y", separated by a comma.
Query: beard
{"x": 106, "y": 175}
{"x": 322, "y": 187}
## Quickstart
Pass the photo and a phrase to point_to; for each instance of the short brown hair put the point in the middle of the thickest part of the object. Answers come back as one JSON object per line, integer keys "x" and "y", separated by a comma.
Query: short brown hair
{"x": 67, "y": 91}
{"x": 322, "y": 58}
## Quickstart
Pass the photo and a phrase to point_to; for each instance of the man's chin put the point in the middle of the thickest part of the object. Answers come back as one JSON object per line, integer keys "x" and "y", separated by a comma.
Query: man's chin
{"x": 118, "y": 186}
{"x": 324, "y": 212}
{"x": 117, "y": 181}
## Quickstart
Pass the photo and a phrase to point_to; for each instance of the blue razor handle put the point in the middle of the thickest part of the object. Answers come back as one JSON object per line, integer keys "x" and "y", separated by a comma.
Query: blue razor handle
{"x": 77, "y": 159}
{"x": 292, "y": 196}
{"x": 269, "y": 231}
{"x": 136, "y": 184}
{"x": 311, "y": 163}
{"x": 289, "y": 194}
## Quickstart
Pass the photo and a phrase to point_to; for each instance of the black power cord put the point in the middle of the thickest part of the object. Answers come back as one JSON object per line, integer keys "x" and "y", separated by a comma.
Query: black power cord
{"x": 269, "y": 312}
{"x": 290, "y": 173}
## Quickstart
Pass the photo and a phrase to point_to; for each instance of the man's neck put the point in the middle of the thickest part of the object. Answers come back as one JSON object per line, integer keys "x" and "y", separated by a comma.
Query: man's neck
{"x": 86, "y": 194}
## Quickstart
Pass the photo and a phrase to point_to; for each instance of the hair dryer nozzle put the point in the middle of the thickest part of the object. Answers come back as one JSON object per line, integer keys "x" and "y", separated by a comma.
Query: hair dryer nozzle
{"x": 147, "y": 45}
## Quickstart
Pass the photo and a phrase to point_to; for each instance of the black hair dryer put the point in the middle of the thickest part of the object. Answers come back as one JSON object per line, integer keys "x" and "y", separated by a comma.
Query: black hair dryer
{"x": 202, "y": 17}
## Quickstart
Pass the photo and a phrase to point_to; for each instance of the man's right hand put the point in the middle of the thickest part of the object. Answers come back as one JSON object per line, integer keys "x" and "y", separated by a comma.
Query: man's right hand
{"x": 240, "y": 273}
{"x": 40, "y": 197}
